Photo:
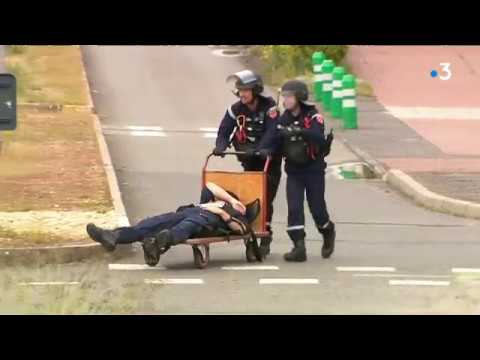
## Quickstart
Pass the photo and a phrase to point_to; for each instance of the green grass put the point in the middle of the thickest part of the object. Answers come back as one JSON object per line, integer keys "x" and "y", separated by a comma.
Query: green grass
{"x": 48, "y": 74}
{"x": 99, "y": 291}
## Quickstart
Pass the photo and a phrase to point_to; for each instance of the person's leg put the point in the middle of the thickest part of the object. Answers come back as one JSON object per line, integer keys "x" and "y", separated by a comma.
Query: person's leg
{"x": 318, "y": 208}
{"x": 130, "y": 234}
{"x": 193, "y": 224}
{"x": 296, "y": 218}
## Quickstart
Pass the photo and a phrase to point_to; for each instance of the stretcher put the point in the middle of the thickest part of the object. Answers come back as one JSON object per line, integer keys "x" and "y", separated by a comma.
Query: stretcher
{"x": 249, "y": 186}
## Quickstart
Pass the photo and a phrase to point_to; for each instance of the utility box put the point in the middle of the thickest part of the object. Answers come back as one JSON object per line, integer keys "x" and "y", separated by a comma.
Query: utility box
{"x": 8, "y": 102}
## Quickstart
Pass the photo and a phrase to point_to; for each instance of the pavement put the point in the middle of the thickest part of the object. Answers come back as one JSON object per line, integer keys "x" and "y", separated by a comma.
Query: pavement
{"x": 423, "y": 126}
{"x": 159, "y": 108}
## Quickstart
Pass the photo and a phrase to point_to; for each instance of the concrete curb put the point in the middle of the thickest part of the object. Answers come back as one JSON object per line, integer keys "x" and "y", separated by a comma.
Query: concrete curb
{"x": 36, "y": 256}
{"x": 414, "y": 190}
{"x": 73, "y": 253}
{"x": 106, "y": 159}
{"x": 433, "y": 201}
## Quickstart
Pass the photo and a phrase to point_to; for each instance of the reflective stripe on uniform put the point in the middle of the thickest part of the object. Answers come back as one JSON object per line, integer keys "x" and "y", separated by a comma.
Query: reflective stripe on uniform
{"x": 230, "y": 112}
{"x": 295, "y": 227}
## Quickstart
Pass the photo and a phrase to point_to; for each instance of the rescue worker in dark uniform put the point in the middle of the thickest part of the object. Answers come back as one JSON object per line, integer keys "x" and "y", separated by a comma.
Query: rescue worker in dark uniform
{"x": 218, "y": 210}
{"x": 299, "y": 133}
{"x": 244, "y": 125}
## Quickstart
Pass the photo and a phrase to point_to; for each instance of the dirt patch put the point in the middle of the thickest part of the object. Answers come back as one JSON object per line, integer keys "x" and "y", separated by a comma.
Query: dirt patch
{"x": 51, "y": 162}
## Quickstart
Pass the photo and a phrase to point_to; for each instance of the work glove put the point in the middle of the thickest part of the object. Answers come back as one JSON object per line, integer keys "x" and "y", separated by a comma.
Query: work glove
{"x": 218, "y": 152}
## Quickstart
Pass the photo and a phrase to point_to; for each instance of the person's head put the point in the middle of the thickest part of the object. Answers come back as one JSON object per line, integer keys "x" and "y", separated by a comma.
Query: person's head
{"x": 294, "y": 93}
{"x": 248, "y": 85}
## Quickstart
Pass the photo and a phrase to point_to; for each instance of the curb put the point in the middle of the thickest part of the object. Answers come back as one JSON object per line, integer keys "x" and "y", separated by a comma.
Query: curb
{"x": 37, "y": 256}
{"x": 414, "y": 190}
{"x": 106, "y": 158}
{"x": 74, "y": 253}
{"x": 433, "y": 201}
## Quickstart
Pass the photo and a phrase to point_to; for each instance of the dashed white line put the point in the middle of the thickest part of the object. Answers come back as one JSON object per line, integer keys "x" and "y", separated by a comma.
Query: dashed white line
{"x": 133, "y": 267}
{"x": 210, "y": 135}
{"x": 439, "y": 113}
{"x": 418, "y": 283}
{"x": 366, "y": 268}
{"x": 209, "y": 129}
{"x": 49, "y": 283}
{"x": 288, "y": 281}
{"x": 132, "y": 127}
{"x": 402, "y": 275}
{"x": 253, "y": 267}
{"x": 465, "y": 270}
{"x": 174, "y": 281}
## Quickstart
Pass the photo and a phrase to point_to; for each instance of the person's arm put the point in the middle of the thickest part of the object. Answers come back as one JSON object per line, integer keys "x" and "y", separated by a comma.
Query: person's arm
{"x": 272, "y": 140}
{"x": 225, "y": 131}
{"x": 225, "y": 217}
{"x": 221, "y": 194}
{"x": 316, "y": 133}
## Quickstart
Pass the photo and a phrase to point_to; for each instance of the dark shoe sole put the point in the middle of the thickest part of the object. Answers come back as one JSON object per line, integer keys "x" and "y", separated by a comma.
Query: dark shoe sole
{"x": 287, "y": 258}
{"x": 95, "y": 234}
{"x": 151, "y": 252}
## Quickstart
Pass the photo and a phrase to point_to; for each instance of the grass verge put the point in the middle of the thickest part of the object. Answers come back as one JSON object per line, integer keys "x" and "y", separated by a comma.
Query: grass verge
{"x": 48, "y": 74}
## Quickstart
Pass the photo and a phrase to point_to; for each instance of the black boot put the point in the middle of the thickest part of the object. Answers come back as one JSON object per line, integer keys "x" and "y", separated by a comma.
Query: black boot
{"x": 107, "y": 238}
{"x": 329, "y": 235}
{"x": 298, "y": 253}
{"x": 154, "y": 246}
{"x": 265, "y": 243}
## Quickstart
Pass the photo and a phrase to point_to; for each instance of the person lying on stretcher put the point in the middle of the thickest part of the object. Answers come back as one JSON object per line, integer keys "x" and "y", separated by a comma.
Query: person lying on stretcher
{"x": 219, "y": 213}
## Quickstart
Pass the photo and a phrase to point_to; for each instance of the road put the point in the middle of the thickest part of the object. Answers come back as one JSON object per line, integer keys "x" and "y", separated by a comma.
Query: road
{"x": 157, "y": 106}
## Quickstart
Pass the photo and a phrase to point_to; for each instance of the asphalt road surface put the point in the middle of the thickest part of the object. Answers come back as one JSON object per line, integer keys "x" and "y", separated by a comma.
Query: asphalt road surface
{"x": 160, "y": 107}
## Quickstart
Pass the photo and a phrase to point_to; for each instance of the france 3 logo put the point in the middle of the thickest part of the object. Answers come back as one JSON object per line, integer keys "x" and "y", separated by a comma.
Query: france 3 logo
{"x": 446, "y": 72}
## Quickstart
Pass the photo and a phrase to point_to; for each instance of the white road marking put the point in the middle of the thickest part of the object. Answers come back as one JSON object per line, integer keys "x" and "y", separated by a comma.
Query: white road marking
{"x": 470, "y": 113}
{"x": 132, "y": 127}
{"x": 49, "y": 283}
{"x": 210, "y": 135}
{"x": 147, "y": 133}
{"x": 253, "y": 267}
{"x": 402, "y": 275}
{"x": 135, "y": 133}
{"x": 209, "y": 129}
{"x": 418, "y": 283}
{"x": 174, "y": 281}
{"x": 133, "y": 267}
{"x": 466, "y": 270}
{"x": 288, "y": 281}
{"x": 366, "y": 268}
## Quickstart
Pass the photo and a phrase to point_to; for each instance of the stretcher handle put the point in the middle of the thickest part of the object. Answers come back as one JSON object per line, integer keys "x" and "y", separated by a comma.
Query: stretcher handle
{"x": 265, "y": 168}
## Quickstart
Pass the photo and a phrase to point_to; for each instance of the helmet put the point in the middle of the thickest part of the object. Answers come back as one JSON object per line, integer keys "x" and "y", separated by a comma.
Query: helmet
{"x": 297, "y": 88}
{"x": 247, "y": 79}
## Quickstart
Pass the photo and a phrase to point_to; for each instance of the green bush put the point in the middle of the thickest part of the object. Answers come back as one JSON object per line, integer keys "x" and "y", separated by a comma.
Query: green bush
{"x": 287, "y": 61}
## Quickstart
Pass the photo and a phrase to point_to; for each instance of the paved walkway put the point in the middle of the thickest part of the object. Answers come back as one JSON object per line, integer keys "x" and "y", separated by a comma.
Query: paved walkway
{"x": 421, "y": 125}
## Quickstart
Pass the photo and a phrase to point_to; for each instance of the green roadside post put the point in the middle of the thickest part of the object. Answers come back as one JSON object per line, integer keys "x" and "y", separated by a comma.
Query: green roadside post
{"x": 349, "y": 105}
{"x": 327, "y": 69}
{"x": 336, "y": 105}
{"x": 318, "y": 58}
